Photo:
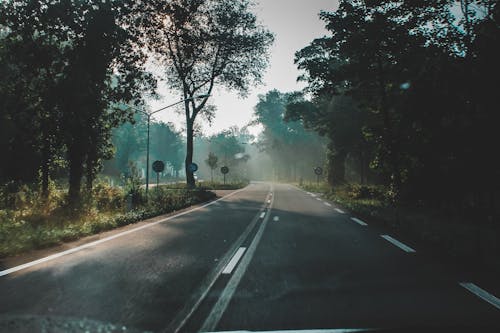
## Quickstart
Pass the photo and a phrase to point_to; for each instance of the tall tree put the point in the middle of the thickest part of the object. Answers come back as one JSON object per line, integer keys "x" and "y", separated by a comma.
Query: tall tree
{"x": 100, "y": 62}
{"x": 204, "y": 43}
{"x": 212, "y": 164}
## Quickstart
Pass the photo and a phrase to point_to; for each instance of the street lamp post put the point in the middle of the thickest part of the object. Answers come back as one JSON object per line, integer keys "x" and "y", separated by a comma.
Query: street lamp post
{"x": 149, "y": 114}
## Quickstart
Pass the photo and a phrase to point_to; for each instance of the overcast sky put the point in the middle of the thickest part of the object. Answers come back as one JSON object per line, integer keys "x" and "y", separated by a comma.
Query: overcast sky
{"x": 295, "y": 24}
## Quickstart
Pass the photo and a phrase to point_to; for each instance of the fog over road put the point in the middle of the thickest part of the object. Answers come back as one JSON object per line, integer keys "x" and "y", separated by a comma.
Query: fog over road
{"x": 268, "y": 257}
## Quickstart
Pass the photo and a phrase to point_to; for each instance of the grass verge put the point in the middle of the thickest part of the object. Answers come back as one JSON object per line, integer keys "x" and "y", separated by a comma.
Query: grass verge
{"x": 46, "y": 224}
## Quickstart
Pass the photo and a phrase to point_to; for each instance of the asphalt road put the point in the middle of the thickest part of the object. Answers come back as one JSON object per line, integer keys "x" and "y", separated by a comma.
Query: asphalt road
{"x": 269, "y": 257}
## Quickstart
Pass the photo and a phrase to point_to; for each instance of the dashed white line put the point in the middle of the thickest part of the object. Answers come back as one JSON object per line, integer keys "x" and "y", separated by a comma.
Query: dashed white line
{"x": 481, "y": 293}
{"x": 220, "y": 306}
{"x": 358, "y": 221}
{"x": 339, "y": 211}
{"x": 326, "y": 203}
{"x": 262, "y": 215}
{"x": 319, "y": 199}
{"x": 398, "y": 243}
{"x": 234, "y": 260}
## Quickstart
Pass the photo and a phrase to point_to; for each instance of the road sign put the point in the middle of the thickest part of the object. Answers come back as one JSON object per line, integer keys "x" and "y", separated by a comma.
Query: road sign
{"x": 158, "y": 166}
{"x": 224, "y": 169}
{"x": 193, "y": 167}
{"x": 318, "y": 171}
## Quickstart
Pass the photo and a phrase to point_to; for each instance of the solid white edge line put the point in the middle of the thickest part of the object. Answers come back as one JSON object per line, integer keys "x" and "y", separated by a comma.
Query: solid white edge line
{"x": 234, "y": 261}
{"x": 325, "y": 330}
{"x": 398, "y": 243}
{"x": 481, "y": 293}
{"x": 358, "y": 221}
{"x": 338, "y": 210}
{"x": 262, "y": 215}
{"x": 107, "y": 239}
{"x": 220, "y": 306}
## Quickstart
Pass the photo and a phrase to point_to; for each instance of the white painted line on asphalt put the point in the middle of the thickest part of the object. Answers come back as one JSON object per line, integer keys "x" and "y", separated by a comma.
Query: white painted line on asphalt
{"x": 232, "y": 264}
{"x": 220, "y": 306}
{"x": 326, "y": 203}
{"x": 398, "y": 243}
{"x": 107, "y": 239}
{"x": 276, "y": 218}
{"x": 319, "y": 199}
{"x": 339, "y": 211}
{"x": 320, "y": 330}
{"x": 262, "y": 215}
{"x": 481, "y": 293}
{"x": 312, "y": 194}
{"x": 206, "y": 285}
{"x": 358, "y": 221}
{"x": 309, "y": 193}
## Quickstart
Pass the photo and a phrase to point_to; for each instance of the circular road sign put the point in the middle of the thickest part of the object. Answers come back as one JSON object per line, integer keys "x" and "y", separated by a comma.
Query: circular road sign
{"x": 158, "y": 166}
{"x": 224, "y": 169}
{"x": 193, "y": 167}
{"x": 318, "y": 171}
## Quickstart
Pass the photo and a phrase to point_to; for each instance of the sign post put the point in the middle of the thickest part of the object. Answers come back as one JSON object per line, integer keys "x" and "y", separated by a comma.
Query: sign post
{"x": 158, "y": 166}
{"x": 318, "y": 171}
{"x": 224, "y": 171}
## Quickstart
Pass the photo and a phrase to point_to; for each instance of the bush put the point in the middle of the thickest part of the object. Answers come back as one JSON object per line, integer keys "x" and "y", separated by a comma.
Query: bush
{"x": 357, "y": 191}
{"x": 107, "y": 197}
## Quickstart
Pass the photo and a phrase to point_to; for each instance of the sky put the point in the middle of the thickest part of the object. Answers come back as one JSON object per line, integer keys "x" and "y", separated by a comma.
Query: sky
{"x": 294, "y": 23}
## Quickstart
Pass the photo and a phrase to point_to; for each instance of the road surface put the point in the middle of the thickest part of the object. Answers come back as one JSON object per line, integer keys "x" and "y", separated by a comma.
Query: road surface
{"x": 268, "y": 257}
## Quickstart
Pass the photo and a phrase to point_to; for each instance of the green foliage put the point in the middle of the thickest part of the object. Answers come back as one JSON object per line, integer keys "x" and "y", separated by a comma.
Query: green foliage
{"x": 67, "y": 65}
{"x": 408, "y": 93}
{"x": 28, "y": 228}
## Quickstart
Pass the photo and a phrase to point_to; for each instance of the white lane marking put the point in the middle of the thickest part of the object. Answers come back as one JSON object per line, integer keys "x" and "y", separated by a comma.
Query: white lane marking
{"x": 309, "y": 193}
{"x": 481, "y": 293}
{"x": 107, "y": 239}
{"x": 398, "y": 243}
{"x": 319, "y": 199}
{"x": 232, "y": 264}
{"x": 220, "y": 306}
{"x": 199, "y": 295}
{"x": 262, "y": 215}
{"x": 326, "y": 203}
{"x": 321, "y": 330}
{"x": 339, "y": 211}
{"x": 276, "y": 218}
{"x": 358, "y": 221}
{"x": 313, "y": 195}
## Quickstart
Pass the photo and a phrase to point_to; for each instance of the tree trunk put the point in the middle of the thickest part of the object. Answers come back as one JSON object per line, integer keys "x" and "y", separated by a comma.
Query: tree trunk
{"x": 45, "y": 172}
{"x": 338, "y": 167}
{"x": 76, "y": 159}
{"x": 189, "y": 155}
{"x": 90, "y": 176}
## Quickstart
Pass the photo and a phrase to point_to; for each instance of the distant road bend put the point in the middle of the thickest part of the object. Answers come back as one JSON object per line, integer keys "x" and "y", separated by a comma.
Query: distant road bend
{"x": 268, "y": 257}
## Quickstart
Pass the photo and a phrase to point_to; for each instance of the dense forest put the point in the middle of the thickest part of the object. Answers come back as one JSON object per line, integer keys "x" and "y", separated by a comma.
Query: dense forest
{"x": 76, "y": 75}
{"x": 406, "y": 92}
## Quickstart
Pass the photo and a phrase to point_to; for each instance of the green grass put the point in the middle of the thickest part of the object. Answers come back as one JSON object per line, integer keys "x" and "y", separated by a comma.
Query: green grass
{"x": 35, "y": 224}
